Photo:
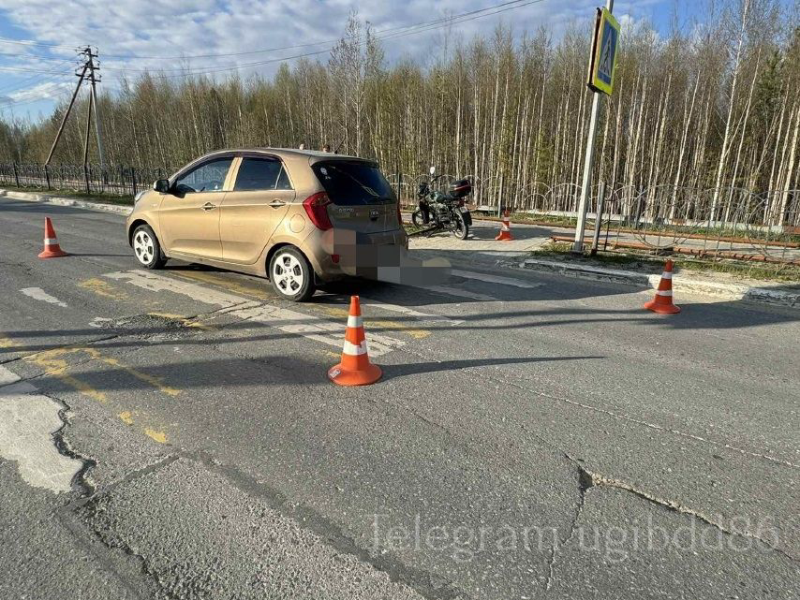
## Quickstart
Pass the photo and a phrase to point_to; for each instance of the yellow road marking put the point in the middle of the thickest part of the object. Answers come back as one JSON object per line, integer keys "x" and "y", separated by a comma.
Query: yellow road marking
{"x": 342, "y": 313}
{"x": 6, "y": 343}
{"x": 233, "y": 286}
{"x": 154, "y": 381}
{"x": 331, "y": 354}
{"x": 261, "y": 294}
{"x": 57, "y": 367}
{"x": 102, "y": 288}
{"x": 158, "y": 436}
{"x": 51, "y": 362}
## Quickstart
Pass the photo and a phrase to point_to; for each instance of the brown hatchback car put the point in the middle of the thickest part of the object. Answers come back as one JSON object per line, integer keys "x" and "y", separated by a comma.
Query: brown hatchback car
{"x": 298, "y": 218}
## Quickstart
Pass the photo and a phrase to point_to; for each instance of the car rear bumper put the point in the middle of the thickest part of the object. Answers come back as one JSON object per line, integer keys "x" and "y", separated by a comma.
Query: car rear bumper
{"x": 359, "y": 254}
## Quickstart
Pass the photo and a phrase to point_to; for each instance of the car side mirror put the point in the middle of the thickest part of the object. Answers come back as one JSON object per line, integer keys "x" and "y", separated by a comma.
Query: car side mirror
{"x": 161, "y": 186}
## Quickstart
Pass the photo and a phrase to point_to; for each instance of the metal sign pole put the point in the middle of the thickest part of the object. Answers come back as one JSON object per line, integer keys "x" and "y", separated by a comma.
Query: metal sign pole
{"x": 587, "y": 175}
{"x": 598, "y": 221}
{"x": 589, "y": 162}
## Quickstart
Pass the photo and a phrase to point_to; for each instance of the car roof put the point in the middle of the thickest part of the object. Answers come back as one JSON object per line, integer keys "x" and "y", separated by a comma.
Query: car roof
{"x": 291, "y": 152}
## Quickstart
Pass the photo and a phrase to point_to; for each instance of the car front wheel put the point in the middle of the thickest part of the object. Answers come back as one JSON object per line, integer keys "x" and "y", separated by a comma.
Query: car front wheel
{"x": 291, "y": 275}
{"x": 146, "y": 248}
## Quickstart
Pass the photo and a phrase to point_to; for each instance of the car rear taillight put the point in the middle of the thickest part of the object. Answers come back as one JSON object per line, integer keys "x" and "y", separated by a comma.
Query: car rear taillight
{"x": 316, "y": 207}
{"x": 399, "y": 216}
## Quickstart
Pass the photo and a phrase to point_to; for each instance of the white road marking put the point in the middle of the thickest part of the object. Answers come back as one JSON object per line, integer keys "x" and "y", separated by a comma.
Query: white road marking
{"x": 159, "y": 283}
{"x": 288, "y": 321}
{"x": 98, "y": 321}
{"x": 331, "y": 334}
{"x": 495, "y": 279}
{"x": 410, "y": 312}
{"x": 39, "y": 294}
{"x": 461, "y": 293}
{"x": 27, "y": 425}
{"x": 7, "y": 376}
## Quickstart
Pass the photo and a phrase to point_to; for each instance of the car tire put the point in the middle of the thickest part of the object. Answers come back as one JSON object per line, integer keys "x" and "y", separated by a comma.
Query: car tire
{"x": 146, "y": 248}
{"x": 291, "y": 275}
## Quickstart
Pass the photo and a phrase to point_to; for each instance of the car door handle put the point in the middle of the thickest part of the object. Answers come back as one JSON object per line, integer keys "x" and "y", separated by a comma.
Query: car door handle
{"x": 277, "y": 204}
{"x": 208, "y": 206}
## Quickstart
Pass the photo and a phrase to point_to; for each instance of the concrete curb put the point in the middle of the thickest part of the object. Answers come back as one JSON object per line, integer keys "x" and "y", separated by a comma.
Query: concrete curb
{"x": 61, "y": 201}
{"x": 731, "y": 291}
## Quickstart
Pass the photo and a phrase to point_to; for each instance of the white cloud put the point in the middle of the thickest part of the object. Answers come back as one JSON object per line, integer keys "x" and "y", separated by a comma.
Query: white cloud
{"x": 42, "y": 91}
{"x": 175, "y": 28}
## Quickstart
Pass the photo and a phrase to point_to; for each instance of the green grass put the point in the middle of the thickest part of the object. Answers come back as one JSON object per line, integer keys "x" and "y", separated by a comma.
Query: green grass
{"x": 641, "y": 261}
{"x": 100, "y": 198}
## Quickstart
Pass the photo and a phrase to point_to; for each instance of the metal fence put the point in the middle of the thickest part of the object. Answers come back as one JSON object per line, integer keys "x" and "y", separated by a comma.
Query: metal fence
{"x": 116, "y": 180}
{"x": 664, "y": 204}
{"x": 660, "y": 217}
{"x": 722, "y": 223}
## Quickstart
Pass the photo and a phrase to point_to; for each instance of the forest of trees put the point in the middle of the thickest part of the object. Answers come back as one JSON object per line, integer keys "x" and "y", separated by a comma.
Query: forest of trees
{"x": 715, "y": 105}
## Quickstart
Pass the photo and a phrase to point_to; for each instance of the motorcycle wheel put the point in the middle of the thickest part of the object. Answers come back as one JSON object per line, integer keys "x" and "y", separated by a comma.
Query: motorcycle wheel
{"x": 460, "y": 228}
{"x": 417, "y": 218}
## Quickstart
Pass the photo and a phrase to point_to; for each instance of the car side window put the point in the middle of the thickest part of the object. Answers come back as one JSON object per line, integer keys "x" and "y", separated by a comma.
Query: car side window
{"x": 258, "y": 174}
{"x": 283, "y": 180}
{"x": 207, "y": 177}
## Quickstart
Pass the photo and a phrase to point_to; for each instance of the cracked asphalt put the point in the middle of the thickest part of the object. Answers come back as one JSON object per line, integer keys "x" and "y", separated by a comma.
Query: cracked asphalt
{"x": 550, "y": 440}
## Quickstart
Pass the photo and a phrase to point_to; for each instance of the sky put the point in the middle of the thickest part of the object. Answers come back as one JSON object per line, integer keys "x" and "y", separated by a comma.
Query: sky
{"x": 38, "y": 38}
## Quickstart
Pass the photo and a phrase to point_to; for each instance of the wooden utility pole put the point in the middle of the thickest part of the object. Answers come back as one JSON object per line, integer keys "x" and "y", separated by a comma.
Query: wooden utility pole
{"x": 66, "y": 114}
{"x": 93, "y": 79}
{"x": 88, "y": 73}
{"x": 88, "y": 130}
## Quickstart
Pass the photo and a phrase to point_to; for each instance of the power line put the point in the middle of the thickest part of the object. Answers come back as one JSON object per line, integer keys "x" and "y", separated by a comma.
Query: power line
{"x": 457, "y": 20}
{"x": 18, "y": 103}
{"x": 403, "y": 29}
{"x": 310, "y": 44}
{"x": 37, "y": 57}
{"x": 16, "y": 85}
{"x": 34, "y": 43}
{"x": 29, "y": 70}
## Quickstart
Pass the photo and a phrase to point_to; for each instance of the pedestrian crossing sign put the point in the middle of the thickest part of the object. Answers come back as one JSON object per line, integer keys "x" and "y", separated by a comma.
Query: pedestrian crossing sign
{"x": 604, "y": 52}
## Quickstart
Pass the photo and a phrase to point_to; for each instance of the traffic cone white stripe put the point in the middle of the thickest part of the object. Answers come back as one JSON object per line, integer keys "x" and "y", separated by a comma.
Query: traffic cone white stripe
{"x": 355, "y": 350}
{"x": 50, "y": 241}
{"x": 663, "y": 292}
{"x": 666, "y": 275}
{"x": 354, "y": 321}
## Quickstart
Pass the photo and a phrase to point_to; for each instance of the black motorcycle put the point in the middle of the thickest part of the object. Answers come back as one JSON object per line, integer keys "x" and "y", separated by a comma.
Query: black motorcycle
{"x": 443, "y": 210}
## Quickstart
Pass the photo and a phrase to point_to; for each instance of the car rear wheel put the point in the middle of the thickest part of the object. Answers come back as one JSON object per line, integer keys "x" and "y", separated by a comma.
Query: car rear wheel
{"x": 291, "y": 275}
{"x": 146, "y": 248}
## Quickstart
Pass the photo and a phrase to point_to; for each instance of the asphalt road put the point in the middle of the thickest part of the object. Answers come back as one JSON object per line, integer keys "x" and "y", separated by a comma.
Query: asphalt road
{"x": 172, "y": 434}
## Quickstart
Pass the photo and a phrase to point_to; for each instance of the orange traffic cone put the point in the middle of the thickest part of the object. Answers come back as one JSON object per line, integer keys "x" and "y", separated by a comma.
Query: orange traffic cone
{"x": 355, "y": 368}
{"x": 51, "y": 247}
{"x": 662, "y": 303}
{"x": 505, "y": 230}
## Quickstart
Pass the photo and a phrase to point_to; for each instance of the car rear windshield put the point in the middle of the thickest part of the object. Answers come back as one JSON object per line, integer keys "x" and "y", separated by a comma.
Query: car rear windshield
{"x": 350, "y": 183}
